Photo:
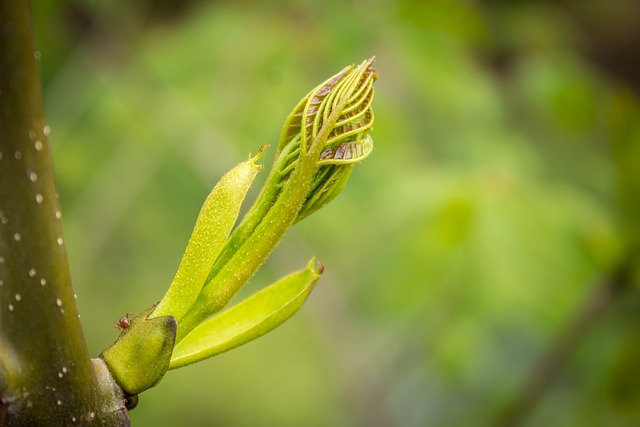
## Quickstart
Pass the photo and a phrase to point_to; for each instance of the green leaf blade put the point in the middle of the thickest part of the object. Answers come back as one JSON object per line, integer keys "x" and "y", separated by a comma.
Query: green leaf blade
{"x": 213, "y": 226}
{"x": 248, "y": 320}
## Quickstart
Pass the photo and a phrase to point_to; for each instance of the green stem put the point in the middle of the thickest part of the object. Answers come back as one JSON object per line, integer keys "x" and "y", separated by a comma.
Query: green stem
{"x": 265, "y": 200}
{"x": 47, "y": 376}
{"x": 248, "y": 257}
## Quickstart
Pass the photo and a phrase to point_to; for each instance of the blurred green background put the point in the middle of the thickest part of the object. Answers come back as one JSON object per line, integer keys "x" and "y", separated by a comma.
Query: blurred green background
{"x": 501, "y": 193}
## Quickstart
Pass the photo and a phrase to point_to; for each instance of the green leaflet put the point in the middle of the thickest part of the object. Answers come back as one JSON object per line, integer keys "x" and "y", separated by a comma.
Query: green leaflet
{"x": 213, "y": 226}
{"x": 247, "y": 320}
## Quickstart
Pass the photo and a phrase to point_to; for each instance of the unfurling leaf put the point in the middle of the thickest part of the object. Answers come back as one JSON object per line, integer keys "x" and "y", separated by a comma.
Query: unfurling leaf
{"x": 322, "y": 139}
{"x": 324, "y": 136}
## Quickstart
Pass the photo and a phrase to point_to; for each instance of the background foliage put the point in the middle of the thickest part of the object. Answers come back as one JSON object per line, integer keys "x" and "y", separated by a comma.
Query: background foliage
{"x": 486, "y": 215}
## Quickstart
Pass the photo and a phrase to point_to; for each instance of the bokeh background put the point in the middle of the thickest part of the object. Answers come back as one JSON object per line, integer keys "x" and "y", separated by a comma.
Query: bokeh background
{"x": 497, "y": 210}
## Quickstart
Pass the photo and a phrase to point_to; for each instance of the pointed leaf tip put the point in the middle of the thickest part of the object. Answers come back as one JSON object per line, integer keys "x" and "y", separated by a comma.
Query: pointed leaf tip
{"x": 258, "y": 154}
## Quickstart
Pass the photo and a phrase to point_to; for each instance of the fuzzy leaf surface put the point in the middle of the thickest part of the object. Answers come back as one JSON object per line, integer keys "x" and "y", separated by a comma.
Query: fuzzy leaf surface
{"x": 213, "y": 226}
{"x": 248, "y": 320}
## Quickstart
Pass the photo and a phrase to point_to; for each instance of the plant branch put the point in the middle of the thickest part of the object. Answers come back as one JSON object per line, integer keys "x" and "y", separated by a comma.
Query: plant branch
{"x": 47, "y": 375}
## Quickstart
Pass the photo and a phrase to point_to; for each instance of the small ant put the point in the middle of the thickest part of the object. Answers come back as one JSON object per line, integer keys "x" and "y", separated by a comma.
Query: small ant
{"x": 123, "y": 323}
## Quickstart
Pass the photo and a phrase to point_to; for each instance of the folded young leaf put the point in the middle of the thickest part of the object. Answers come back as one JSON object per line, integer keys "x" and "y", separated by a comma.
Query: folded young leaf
{"x": 323, "y": 137}
{"x": 213, "y": 226}
{"x": 347, "y": 152}
{"x": 247, "y": 320}
{"x": 327, "y": 184}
